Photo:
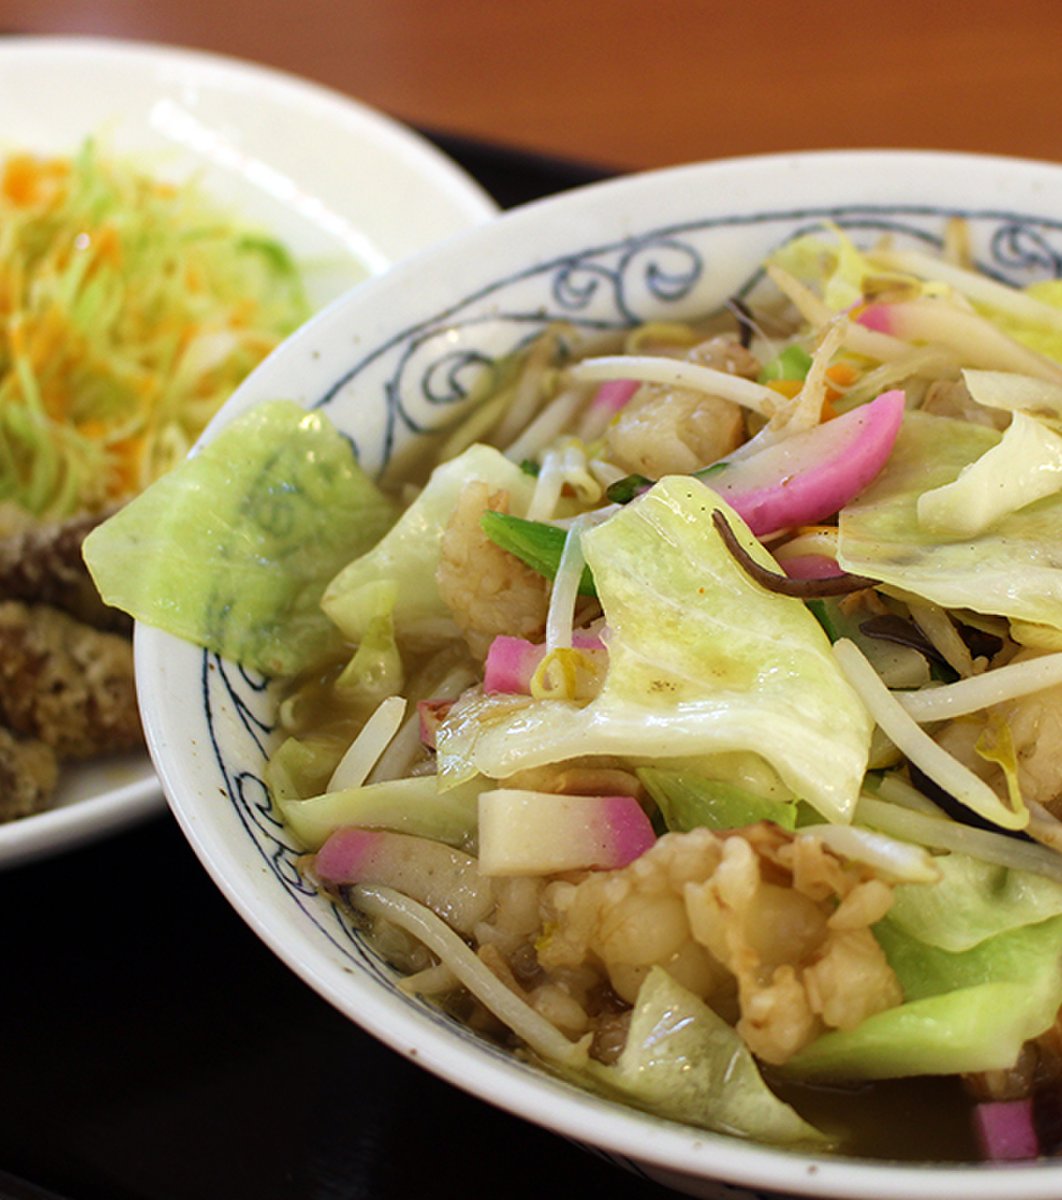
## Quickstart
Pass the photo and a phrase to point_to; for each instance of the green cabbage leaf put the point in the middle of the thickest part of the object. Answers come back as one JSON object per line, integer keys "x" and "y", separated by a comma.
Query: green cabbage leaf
{"x": 1013, "y": 569}
{"x": 972, "y": 901}
{"x": 1046, "y": 341}
{"x": 233, "y": 549}
{"x": 967, "y": 1011}
{"x": 828, "y": 261}
{"x": 1024, "y": 466}
{"x": 413, "y": 805}
{"x": 684, "y": 1062}
{"x": 375, "y": 670}
{"x": 407, "y": 557}
{"x": 702, "y": 661}
{"x": 1016, "y": 393}
{"x": 688, "y": 800}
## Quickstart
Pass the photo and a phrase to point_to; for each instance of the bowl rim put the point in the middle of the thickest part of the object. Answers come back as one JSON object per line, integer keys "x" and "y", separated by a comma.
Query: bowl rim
{"x": 671, "y": 1148}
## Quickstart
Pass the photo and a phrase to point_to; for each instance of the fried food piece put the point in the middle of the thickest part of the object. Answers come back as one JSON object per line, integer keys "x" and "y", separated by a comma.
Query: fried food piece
{"x": 65, "y": 683}
{"x": 41, "y": 563}
{"x": 778, "y": 915}
{"x": 28, "y": 774}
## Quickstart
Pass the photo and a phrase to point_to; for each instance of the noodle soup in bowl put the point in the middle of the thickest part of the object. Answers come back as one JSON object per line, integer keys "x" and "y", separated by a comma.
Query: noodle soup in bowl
{"x": 406, "y": 368}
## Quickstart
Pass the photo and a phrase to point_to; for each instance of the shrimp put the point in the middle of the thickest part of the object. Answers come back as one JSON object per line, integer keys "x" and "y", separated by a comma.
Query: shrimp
{"x": 665, "y": 430}
{"x": 488, "y": 591}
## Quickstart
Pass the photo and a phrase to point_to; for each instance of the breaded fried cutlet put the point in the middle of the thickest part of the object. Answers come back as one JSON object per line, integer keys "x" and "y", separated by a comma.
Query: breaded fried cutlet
{"x": 65, "y": 683}
{"x": 28, "y": 774}
{"x": 41, "y": 563}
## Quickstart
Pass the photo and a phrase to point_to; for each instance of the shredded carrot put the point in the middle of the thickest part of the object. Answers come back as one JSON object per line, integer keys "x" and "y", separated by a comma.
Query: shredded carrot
{"x": 107, "y": 245}
{"x": 842, "y": 375}
{"x": 125, "y": 467}
{"x": 786, "y": 387}
{"x": 131, "y": 308}
{"x": 28, "y": 181}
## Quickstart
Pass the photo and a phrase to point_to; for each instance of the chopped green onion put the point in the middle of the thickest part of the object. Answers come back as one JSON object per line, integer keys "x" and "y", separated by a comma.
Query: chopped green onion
{"x": 794, "y": 362}
{"x": 535, "y": 543}
{"x": 624, "y": 490}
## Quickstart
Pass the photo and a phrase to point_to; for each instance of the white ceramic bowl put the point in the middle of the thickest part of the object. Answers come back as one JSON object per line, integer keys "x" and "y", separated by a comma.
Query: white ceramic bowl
{"x": 388, "y": 362}
{"x": 349, "y": 190}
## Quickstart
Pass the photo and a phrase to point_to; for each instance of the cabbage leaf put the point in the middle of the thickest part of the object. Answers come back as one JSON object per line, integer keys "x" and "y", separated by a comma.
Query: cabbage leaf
{"x": 1011, "y": 392}
{"x": 702, "y": 660}
{"x": 1013, "y": 569}
{"x": 688, "y": 801}
{"x": 409, "y": 554}
{"x": 375, "y": 670}
{"x": 833, "y": 264}
{"x": 413, "y": 805}
{"x": 1022, "y": 467}
{"x": 973, "y": 900}
{"x": 963, "y": 1012}
{"x": 684, "y": 1062}
{"x": 1047, "y": 341}
{"x": 233, "y": 548}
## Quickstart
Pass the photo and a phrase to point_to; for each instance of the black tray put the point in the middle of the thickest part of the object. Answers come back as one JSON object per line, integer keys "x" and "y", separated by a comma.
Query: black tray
{"x": 154, "y": 1049}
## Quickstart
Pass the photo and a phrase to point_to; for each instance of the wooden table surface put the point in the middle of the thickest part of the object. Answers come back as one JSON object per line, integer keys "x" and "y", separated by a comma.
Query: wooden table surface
{"x": 643, "y": 83}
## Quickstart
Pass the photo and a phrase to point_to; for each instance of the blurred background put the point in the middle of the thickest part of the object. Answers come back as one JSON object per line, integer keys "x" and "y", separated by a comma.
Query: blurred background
{"x": 627, "y": 84}
{"x": 147, "y": 1063}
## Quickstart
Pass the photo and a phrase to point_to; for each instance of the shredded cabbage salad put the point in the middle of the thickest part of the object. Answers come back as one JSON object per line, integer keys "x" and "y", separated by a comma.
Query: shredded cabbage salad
{"x": 697, "y": 725}
{"x": 129, "y": 310}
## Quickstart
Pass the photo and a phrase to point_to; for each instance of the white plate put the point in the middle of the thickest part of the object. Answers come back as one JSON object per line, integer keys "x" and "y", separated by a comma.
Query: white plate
{"x": 346, "y": 188}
